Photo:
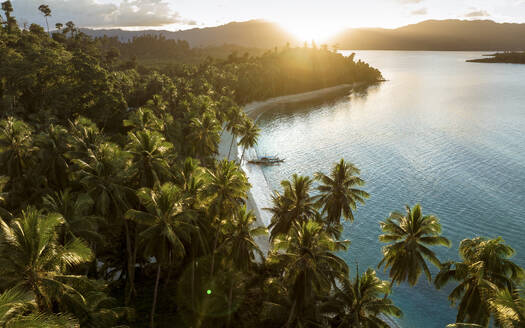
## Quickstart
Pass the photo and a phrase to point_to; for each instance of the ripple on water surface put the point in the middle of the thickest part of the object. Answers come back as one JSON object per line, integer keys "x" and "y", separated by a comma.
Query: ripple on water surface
{"x": 442, "y": 132}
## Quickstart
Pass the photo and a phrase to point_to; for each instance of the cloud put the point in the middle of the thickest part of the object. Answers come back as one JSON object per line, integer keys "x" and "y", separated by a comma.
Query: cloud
{"x": 191, "y": 22}
{"x": 477, "y": 13}
{"x": 409, "y": 1}
{"x": 422, "y": 11}
{"x": 144, "y": 13}
{"x": 90, "y": 13}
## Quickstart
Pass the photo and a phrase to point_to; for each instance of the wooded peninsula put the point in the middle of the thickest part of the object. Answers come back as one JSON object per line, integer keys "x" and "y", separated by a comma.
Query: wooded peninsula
{"x": 502, "y": 57}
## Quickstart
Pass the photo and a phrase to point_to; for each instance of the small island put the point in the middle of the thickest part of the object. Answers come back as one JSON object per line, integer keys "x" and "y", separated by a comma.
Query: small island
{"x": 502, "y": 57}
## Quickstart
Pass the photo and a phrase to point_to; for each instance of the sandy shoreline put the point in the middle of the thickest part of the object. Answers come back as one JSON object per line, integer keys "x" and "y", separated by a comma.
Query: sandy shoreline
{"x": 257, "y": 108}
{"x": 259, "y": 196}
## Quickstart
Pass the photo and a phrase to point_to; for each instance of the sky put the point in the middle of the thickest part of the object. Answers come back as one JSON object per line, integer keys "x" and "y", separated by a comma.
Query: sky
{"x": 306, "y": 18}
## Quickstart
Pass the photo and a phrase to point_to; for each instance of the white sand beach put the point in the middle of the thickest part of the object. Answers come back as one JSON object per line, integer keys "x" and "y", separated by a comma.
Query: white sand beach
{"x": 259, "y": 196}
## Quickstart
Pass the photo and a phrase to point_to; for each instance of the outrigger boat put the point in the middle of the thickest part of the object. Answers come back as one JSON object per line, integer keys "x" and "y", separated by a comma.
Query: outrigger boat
{"x": 267, "y": 160}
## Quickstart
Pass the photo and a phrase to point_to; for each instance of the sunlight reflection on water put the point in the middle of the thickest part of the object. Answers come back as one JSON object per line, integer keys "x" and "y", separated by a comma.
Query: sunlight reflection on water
{"x": 442, "y": 132}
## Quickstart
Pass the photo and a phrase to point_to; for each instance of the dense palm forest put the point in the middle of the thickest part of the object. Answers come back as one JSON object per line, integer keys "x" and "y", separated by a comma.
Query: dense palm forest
{"x": 116, "y": 212}
{"x": 158, "y": 51}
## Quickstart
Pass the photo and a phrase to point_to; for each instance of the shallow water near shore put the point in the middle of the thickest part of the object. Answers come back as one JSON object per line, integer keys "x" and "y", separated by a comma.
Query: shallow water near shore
{"x": 442, "y": 132}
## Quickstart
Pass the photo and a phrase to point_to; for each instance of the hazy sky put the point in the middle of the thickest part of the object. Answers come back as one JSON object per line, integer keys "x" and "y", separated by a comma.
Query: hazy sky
{"x": 306, "y": 18}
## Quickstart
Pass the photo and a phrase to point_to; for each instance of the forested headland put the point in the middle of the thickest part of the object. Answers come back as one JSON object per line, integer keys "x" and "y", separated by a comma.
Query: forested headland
{"x": 502, "y": 57}
{"x": 115, "y": 211}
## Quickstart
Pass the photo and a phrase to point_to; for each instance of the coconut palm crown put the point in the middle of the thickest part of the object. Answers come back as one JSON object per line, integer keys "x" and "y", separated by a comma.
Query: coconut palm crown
{"x": 409, "y": 236}
{"x": 339, "y": 193}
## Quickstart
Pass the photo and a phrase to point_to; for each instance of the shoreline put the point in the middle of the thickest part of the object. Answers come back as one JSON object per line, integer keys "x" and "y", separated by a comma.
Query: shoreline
{"x": 255, "y": 109}
{"x": 260, "y": 193}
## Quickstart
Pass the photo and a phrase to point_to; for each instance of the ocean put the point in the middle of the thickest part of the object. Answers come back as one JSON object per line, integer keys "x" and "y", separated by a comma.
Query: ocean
{"x": 441, "y": 132}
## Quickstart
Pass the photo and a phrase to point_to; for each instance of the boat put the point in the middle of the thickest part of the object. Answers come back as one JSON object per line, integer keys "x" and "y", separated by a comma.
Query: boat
{"x": 267, "y": 160}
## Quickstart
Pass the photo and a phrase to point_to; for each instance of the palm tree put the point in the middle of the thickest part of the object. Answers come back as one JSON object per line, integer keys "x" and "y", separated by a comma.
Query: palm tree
{"x": 409, "y": 235}
{"x": 3, "y": 195}
{"x": 104, "y": 175}
{"x": 276, "y": 310}
{"x": 362, "y": 302}
{"x": 339, "y": 194}
{"x": 97, "y": 309}
{"x": 310, "y": 266}
{"x": 226, "y": 188}
{"x": 46, "y": 12}
{"x": 249, "y": 134}
{"x": 70, "y": 27}
{"x": 86, "y": 139}
{"x": 33, "y": 260}
{"x": 204, "y": 136}
{"x": 166, "y": 230}
{"x": 16, "y": 146}
{"x": 190, "y": 178}
{"x": 151, "y": 153}
{"x": 7, "y": 7}
{"x": 282, "y": 220}
{"x": 3, "y": 182}
{"x": 226, "y": 112}
{"x": 507, "y": 307}
{"x": 143, "y": 119}
{"x": 76, "y": 209}
{"x": 17, "y": 310}
{"x": 485, "y": 267}
{"x": 52, "y": 148}
{"x": 239, "y": 236}
{"x": 234, "y": 126}
{"x": 292, "y": 208}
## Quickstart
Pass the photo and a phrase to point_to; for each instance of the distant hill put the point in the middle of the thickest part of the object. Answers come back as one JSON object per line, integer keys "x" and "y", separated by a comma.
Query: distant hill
{"x": 502, "y": 57}
{"x": 481, "y": 35}
{"x": 254, "y": 34}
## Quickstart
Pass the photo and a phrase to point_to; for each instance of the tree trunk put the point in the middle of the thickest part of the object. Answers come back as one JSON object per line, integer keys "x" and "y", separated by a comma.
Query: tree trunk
{"x": 192, "y": 280}
{"x": 214, "y": 249}
{"x": 135, "y": 248}
{"x": 230, "y": 301}
{"x": 231, "y": 145}
{"x": 290, "y": 317}
{"x": 47, "y": 24}
{"x": 41, "y": 302}
{"x": 242, "y": 156}
{"x": 131, "y": 266}
{"x": 155, "y": 292}
{"x": 169, "y": 270}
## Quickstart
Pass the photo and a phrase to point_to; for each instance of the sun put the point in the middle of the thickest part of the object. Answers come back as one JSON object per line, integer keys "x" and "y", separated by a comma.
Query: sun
{"x": 311, "y": 31}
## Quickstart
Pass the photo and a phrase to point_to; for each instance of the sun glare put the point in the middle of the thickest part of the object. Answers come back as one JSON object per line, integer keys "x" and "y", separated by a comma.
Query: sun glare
{"x": 312, "y": 31}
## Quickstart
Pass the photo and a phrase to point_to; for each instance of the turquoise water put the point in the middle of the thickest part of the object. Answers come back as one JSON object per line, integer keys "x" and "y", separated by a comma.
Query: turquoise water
{"x": 442, "y": 132}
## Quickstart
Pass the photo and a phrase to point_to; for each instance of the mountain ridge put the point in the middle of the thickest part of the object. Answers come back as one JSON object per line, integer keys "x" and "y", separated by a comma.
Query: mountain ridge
{"x": 450, "y": 34}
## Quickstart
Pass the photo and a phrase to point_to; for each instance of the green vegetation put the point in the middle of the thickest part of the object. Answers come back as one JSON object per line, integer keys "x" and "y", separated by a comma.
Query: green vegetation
{"x": 273, "y": 73}
{"x": 115, "y": 211}
{"x": 156, "y": 50}
{"x": 502, "y": 57}
{"x": 411, "y": 234}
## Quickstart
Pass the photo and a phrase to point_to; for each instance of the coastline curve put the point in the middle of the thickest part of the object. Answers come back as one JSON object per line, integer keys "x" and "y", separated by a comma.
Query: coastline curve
{"x": 260, "y": 194}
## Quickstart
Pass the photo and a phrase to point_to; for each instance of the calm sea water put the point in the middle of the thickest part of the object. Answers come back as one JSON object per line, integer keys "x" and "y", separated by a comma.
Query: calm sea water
{"x": 442, "y": 132}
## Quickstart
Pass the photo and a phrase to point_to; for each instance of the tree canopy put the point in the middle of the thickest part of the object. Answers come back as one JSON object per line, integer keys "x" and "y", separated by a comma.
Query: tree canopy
{"x": 115, "y": 210}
